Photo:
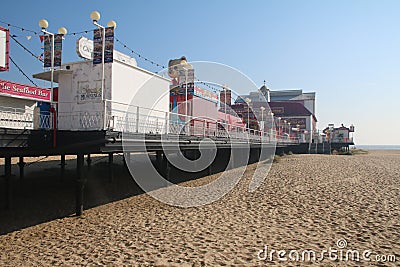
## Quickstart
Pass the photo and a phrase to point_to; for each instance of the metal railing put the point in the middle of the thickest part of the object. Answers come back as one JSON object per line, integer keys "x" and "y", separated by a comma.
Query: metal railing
{"x": 15, "y": 118}
{"x": 136, "y": 119}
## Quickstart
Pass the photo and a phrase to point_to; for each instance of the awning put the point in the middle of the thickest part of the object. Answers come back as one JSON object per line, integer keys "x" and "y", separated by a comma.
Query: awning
{"x": 47, "y": 75}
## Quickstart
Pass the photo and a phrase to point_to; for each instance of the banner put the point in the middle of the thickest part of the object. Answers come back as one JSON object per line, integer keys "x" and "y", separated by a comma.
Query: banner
{"x": 186, "y": 77}
{"x": 47, "y": 51}
{"x": 97, "y": 47}
{"x": 109, "y": 43}
{"x": 4, "y": 49}
{"x": 24, "y": 91}
{"x": 205, "y": 94}
{"x": 57, "y": 49}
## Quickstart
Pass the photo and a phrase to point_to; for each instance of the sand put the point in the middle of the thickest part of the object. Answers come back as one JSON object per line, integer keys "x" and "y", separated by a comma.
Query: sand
{"x": 307, "y": 202}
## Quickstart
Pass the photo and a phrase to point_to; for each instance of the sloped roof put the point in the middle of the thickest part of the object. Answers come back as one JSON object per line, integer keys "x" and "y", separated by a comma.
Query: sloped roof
{"x": 290, "y": 108}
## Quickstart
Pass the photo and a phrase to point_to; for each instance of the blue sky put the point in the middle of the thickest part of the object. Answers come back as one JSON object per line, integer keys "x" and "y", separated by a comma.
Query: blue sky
{"x": 348, "y": 52}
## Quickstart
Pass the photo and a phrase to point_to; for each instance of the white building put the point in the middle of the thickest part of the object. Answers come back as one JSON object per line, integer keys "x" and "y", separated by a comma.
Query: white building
{"x": 84, "y": 104}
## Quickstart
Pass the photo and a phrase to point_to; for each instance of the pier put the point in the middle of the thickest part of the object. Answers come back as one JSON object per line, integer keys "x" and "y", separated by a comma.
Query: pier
{"x": 147, "y": 136}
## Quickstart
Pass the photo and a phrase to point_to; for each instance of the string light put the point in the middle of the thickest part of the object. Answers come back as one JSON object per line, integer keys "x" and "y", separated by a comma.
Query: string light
{"x": 26, "y": 49}
{"x": 139, "y": 55}
{"x": 18, "y": 27}
{"x": 36, "y": 33}
{"x": 23, "y": 73}
{"x": 86, "y": 32}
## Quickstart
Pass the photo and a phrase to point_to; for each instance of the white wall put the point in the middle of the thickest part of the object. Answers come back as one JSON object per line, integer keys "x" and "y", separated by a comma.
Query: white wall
{"x": 16, "y": 112}
{"x": 134, "y": 86}
{"x": 80, "y": 103}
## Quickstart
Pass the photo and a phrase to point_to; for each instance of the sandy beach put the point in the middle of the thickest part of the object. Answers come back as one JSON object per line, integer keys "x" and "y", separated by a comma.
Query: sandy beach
{"x": 307, "y": 202}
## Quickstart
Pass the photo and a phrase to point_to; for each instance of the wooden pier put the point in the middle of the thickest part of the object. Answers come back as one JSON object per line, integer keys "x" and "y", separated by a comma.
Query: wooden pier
{"x": 35, "y": 143}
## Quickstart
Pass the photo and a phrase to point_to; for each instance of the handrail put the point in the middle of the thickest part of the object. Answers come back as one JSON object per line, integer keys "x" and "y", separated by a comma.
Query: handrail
{"x": 144, "y": 120}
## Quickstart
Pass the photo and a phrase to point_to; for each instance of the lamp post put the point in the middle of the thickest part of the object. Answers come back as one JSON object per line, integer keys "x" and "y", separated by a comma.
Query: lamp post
{"x": 262, "y": 118}
{"x": 186, "y": 96}
{"x": 225, "y": 87}
{"x": 279, "y": 124}
{"x": 284, "y": 126}
{"x": 248, "y": 100}
{"x": 272, "y": 122}
{"x": 95, "y": 16}
{"x": 43, "y": 24}
{"x": 186, "y": 93}
{"x": 289, "y": 129}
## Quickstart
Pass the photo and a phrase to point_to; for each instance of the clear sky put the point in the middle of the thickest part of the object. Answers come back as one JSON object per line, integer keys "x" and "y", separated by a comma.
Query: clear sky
{"x": 348, "y": 52}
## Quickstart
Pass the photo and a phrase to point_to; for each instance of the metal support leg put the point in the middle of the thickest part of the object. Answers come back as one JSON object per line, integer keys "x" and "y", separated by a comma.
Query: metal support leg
{"x": 210, "y": 169}
{"x": 89, "y": 160}
{"x": 21, "y": 165}
{"x": 159, "y": 159}
{"x": 62, "y": 164}
{"x": 110, "y": 166}
{"x": 7, "y": 174}
{"x": 125, "y": 159}
{"x": 232, "y": 159}
{"x": 167, "y": 167}
{"x": 80, "y": 185}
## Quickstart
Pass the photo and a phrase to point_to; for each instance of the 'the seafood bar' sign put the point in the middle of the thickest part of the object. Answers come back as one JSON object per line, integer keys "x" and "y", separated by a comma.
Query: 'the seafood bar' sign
{"x": 24, "y": 91}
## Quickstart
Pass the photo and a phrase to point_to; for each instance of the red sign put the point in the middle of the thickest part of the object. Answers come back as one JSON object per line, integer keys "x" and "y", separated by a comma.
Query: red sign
{"x": 205, "y": 94}
{"x": 24, "y": 91}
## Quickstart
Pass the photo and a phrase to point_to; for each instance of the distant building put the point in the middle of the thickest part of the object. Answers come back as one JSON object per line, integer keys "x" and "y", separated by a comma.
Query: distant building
{"x": 294, "y": 111}
{"x": 306, "y": 99}
{"x": 340, "y": 134}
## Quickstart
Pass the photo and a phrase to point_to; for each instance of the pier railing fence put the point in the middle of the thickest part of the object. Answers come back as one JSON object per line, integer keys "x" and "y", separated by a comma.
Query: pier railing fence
{"x": 135, "y": 119}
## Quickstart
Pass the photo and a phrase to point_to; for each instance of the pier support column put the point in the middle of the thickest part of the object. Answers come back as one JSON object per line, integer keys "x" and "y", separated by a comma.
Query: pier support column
{"x": 21, "y": 165}
{"x": 89, "y": 160}
{"x": 159, "y": 159}
{"x": 231, "y": 158}
{"x": 127, "y": 158}
{"x": 167, "y": 167}
{"x": 210, "y": 168}
{"x": 62, "y": 164}
{"x": 111, "y": 167}
{"x": 7, "y": 175}
{"x": 80, "y": 185}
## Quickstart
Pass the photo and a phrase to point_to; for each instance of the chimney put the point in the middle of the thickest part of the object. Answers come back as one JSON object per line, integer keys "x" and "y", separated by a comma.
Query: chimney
{"x": 225, "y": 92}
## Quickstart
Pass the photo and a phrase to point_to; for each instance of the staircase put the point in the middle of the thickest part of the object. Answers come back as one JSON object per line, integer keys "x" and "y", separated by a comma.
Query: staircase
{"x": 14, "y": 137}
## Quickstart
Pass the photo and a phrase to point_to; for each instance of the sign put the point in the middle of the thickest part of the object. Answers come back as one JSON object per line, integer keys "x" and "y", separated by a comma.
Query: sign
{"x": 97, "y": 46}
{"x": 297, "y": 122}
{"x": 186, "y": 77}
{"x": 57, "y": 49}
{"x": 109, "y": 43}
{"x": 84, "y": 49}
{"x": 205, "y": 94}
{"x": 24, "y": 91}
{"x": 4, "y": 49}
{"x": 176, "y": 90}
{"x": 278, "y": 110}
{"x": 47, "y": 51}
{"x": 86, "y": 93}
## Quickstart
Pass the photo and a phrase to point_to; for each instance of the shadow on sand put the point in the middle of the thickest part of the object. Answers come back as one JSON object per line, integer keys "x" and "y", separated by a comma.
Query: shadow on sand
{"x": 46, "y": 193}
